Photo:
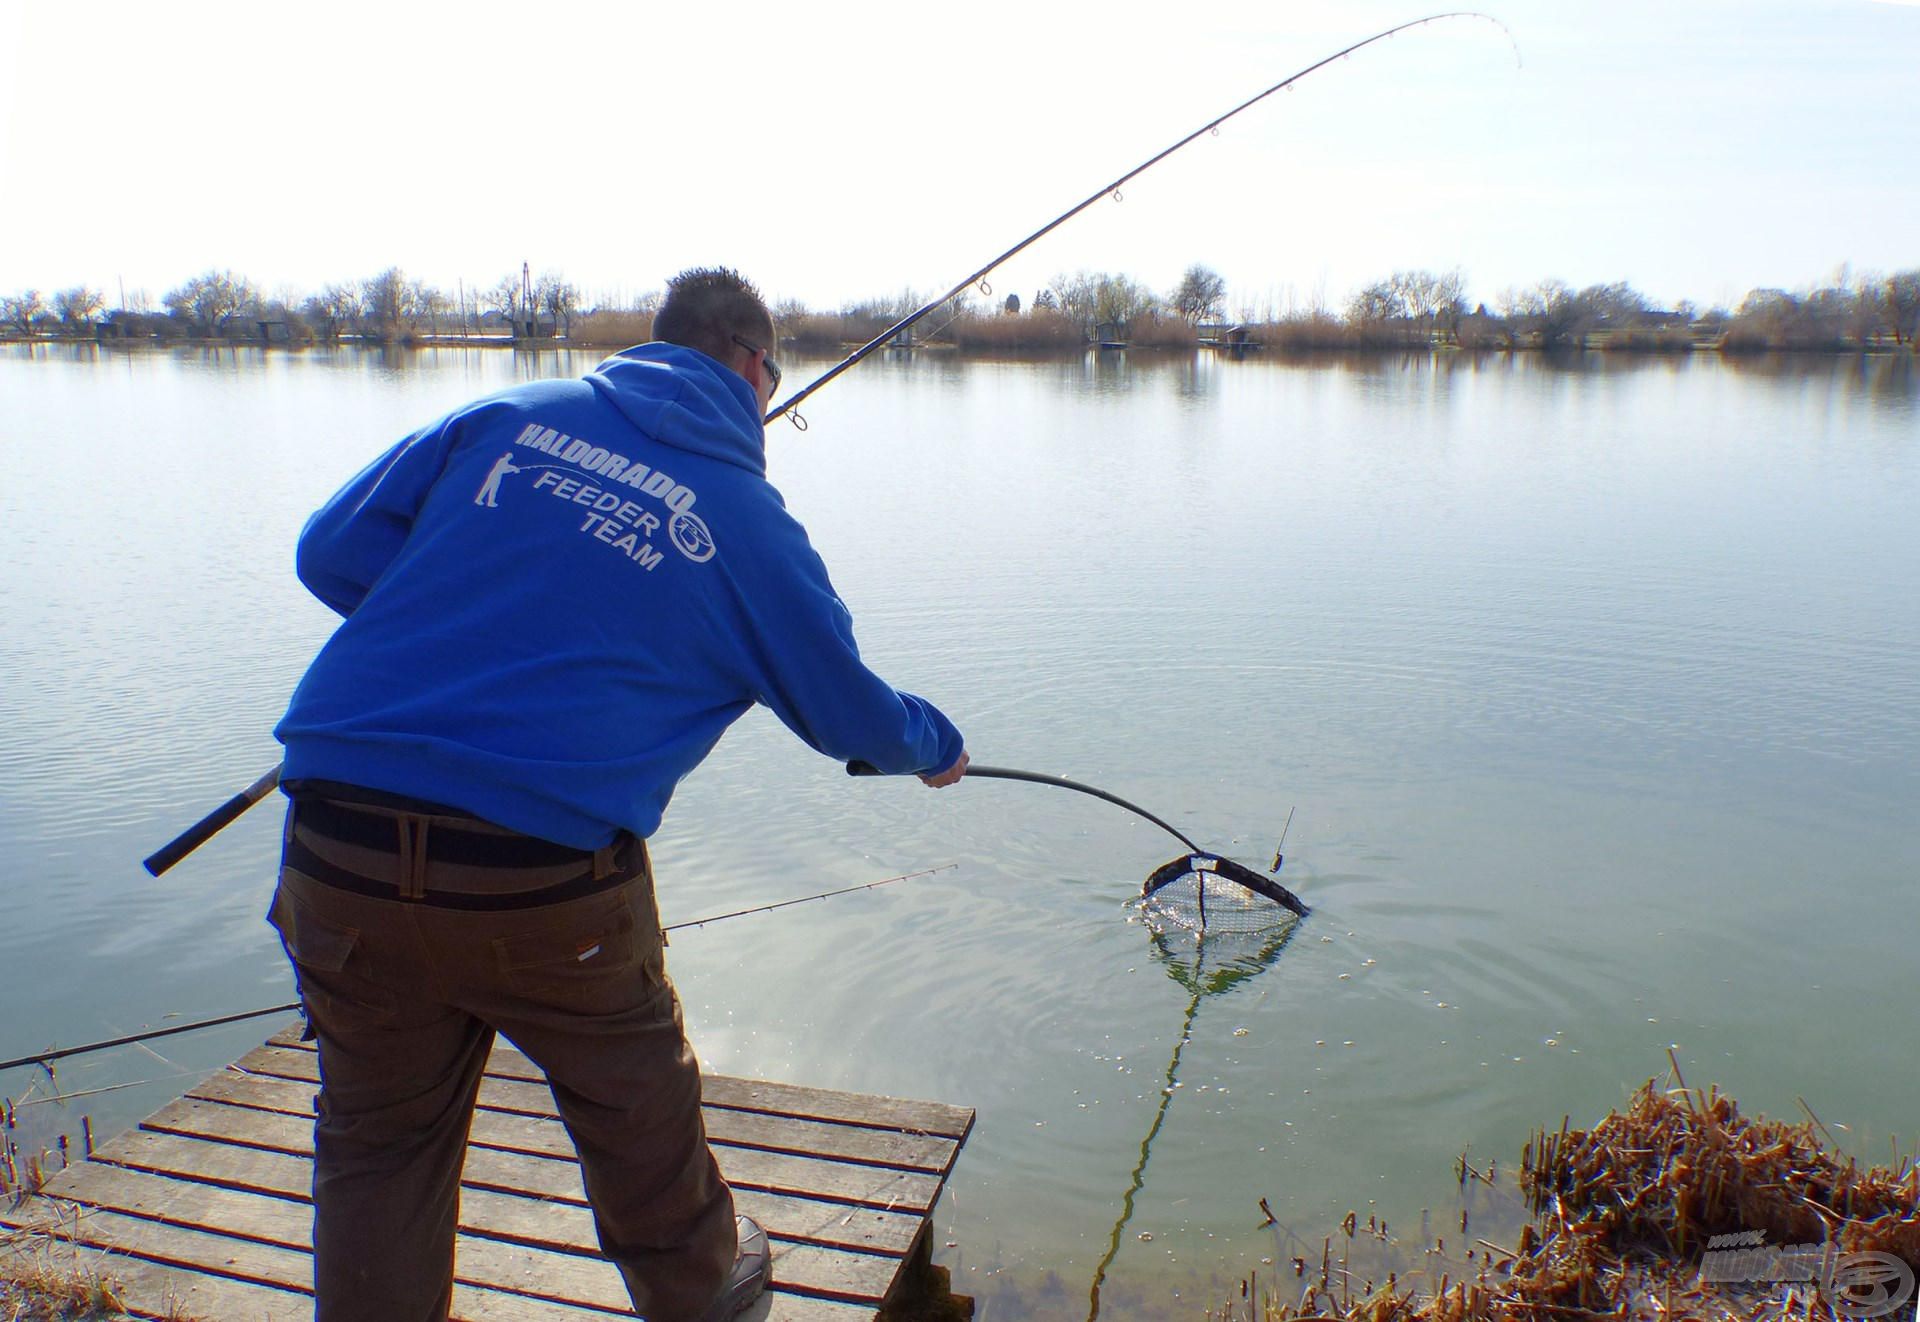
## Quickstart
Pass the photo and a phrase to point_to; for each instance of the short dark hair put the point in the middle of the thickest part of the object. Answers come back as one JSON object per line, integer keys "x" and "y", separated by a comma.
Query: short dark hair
{"x": 706, "y": 306}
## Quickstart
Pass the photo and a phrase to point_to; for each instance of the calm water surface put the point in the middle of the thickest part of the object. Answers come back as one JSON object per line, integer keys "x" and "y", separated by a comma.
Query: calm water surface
{"x": 1595, "y": 689}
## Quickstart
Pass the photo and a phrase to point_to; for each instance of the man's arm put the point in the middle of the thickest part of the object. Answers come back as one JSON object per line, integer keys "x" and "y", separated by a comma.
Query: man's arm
{"x": 811, "y": 676}
{"x": 350, "y": 541}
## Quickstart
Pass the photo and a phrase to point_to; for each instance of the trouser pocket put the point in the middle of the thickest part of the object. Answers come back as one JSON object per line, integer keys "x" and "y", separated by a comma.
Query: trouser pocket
{"x": 330, "y": 964}
{"x": 599, "y": 955}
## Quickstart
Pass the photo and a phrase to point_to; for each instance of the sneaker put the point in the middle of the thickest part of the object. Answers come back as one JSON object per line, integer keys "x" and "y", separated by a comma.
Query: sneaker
{"x": 752, "y": 1269}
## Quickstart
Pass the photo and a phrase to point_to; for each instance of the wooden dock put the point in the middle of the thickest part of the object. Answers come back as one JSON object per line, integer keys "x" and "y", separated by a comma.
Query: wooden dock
{"x": 205, "y": 1208}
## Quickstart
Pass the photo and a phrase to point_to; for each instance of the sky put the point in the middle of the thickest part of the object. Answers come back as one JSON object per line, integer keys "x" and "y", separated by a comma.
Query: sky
{"x": 837, "y": 151}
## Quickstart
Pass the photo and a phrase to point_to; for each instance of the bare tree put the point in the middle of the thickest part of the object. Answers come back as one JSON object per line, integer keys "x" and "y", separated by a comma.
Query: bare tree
{"x": 428, "y": 302}
{"x": 1119, "y": 300}
{"x": 1437, "y": 300}
{"x": 78, "y": 307}
{"x": 332, "y": 310}
{"x": 21, "y": 311}
{"x": 388, "y": 304}
{"x": 211, "y": 301}
{"x": 1618, "y": 306}
{"x": 1548, "y": 310}
{"x": 558, "y": 299}
{"x": 1077, "y": 294}
{"x": 504, "y": 298}
{"x": 1775, "y": 319}
{"x": 1420, "y": 300}
{"x": 1381, "y": 301}
{"x": 1901, "y": 299}
{"x": 1200, "y": 294}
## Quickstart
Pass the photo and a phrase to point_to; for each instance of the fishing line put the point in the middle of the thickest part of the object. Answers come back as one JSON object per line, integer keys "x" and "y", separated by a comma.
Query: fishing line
{"x": 1113, "y": 190}
{"x": 46, "y": 1058}
{"x": 1278, "y": 857}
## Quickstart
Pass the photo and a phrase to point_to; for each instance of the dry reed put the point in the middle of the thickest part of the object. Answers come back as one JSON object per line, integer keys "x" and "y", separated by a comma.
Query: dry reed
{"x": 44, "y": 1280}
{"x": 610, "y": 329}
{"x": 1621, "y": 1214}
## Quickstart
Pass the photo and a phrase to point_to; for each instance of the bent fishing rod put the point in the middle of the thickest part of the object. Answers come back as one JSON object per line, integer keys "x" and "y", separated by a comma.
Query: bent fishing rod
{"x": 203, "y": 830}
{"x": 46, "y": 1057}
{"x": 978, "y": 278}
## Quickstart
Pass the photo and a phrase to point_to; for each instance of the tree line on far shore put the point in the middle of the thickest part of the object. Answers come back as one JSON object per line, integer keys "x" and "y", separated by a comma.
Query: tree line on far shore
{"x": 1407, "y": 309}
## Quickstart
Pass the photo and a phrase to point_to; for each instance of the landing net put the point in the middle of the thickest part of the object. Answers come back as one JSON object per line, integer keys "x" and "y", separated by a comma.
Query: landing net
{"x": 1207, "y": 895}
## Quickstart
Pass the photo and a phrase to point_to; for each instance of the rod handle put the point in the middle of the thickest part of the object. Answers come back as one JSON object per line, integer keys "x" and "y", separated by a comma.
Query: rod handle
{"x": 211, "y": 825}
{"x": 858, "y": 768}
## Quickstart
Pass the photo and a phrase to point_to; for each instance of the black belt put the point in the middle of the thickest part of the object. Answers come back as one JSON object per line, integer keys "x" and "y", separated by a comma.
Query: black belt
{"x": 417, "y": 835}
{"x": 455, "y": 838}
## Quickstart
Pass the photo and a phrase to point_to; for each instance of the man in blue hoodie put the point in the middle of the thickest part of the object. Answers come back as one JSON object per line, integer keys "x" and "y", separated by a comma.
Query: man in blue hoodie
{"x": 556, "y": 599}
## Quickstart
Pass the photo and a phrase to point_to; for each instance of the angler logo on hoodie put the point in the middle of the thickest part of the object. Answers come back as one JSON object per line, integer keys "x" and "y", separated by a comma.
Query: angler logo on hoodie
{"x": 611, "y": 516}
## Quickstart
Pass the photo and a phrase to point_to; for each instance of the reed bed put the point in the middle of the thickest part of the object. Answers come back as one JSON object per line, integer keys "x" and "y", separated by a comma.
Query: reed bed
{"x": 1617, "y": 1219}
{"x": 1029, "y": 331}
{"x": 613, "y": 330}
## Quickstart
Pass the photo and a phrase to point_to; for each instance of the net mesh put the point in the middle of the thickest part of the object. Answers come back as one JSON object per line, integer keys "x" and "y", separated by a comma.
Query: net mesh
{"x": 1207, "y": 902}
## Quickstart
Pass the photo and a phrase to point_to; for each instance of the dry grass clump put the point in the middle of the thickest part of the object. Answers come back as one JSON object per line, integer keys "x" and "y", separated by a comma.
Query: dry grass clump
{"x": 39, "y": 1284}
{"x": 1621, "y": 1214}
{"x": 1671, "y": 1173}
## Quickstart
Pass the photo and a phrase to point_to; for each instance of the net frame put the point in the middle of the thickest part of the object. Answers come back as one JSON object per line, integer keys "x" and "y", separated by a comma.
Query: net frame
{"x": 1204, "y": 893}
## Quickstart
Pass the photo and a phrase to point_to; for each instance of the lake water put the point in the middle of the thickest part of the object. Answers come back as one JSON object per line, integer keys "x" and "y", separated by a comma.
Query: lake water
{"x": 1593, "y": 687}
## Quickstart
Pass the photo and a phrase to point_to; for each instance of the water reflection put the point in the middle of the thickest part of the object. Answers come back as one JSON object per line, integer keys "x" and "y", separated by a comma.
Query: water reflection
{"x": 1586, "y": 674}
{"x": 1206, "y": 964}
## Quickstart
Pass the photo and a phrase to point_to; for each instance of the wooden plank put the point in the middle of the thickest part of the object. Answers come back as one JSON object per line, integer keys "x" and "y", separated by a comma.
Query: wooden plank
{"x": 871, "y": 1186}
{"x": 905, "y": 1114}
{"x": 831, "y": 1224}
{"x": 566, "y": 1268}
{"x": 210, "y": 1198}
{"x": 181, "y": 1254}
{"x": 272, "y": 1071}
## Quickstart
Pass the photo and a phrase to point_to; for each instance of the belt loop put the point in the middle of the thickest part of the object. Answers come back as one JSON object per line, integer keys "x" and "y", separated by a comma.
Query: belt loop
{"x": 411, "y": 860}
{"x": 603, "y": 860}
{"x": 417, "y": 881}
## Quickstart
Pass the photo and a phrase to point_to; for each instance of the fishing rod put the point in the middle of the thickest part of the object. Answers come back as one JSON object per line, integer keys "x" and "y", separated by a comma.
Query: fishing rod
{"x": 46, "y": 1057}
{"x": 1112, "y": 190}
{"x": 203, "y": 830}
{"x": 211, "y": 825}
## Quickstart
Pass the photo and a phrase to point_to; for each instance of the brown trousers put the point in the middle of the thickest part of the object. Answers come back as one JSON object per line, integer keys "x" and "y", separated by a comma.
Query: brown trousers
{"x": 404, "y": 996}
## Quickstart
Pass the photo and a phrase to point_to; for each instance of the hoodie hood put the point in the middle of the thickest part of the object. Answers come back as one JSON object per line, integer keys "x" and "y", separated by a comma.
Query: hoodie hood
{"x": 683, "y": 398}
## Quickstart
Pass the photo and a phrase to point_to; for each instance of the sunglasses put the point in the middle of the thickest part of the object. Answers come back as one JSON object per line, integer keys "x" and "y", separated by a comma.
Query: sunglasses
{"x": 766, "y": 361}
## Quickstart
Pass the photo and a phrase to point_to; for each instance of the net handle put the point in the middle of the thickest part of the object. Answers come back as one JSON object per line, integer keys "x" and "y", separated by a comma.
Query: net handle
{"x": 859, "y": 768}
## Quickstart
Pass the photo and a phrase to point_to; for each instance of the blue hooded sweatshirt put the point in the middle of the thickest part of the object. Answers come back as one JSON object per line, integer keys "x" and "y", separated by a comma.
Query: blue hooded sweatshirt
{"x": 558, "y": 597}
